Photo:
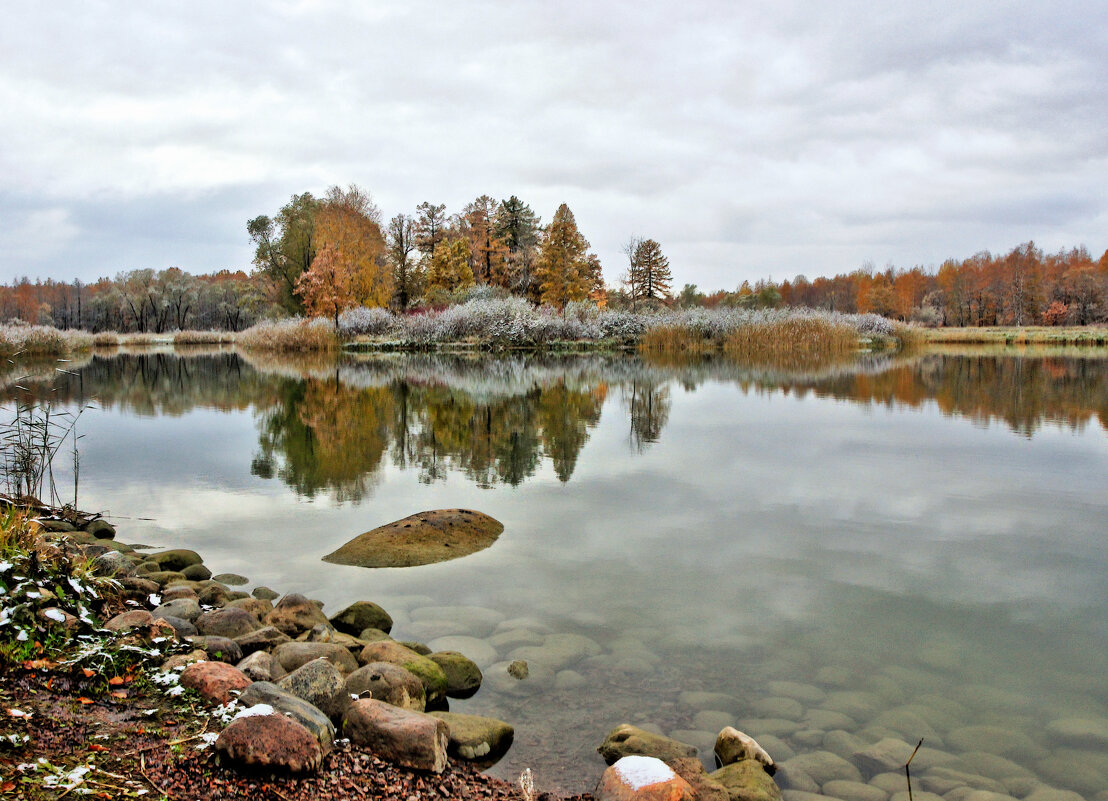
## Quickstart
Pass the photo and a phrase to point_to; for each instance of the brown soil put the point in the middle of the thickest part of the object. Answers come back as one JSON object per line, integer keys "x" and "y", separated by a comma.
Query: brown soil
{"x": 133, "y": 751}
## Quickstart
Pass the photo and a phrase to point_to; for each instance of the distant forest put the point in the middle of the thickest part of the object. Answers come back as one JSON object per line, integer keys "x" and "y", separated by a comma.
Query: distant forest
{"x": 321, "y": 256}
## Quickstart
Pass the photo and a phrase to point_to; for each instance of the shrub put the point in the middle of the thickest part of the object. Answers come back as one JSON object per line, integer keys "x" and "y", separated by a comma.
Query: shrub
{"x": 364, "y": 321}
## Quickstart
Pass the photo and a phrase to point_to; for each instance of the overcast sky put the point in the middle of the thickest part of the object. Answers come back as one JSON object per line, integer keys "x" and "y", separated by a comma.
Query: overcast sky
{"x": 751, "y": 139}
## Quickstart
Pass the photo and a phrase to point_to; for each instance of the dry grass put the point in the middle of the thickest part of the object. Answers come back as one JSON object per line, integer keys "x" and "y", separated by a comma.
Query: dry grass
{"x": 106, "y": 339}
{"x": 791, "y": 338}
{"x": 204, "y": 338}
{"x": 673, "y": 339}
{"x": 1012, "y": 335}
{"x": 317, "y": 334}
{"x": 40, "y": 340}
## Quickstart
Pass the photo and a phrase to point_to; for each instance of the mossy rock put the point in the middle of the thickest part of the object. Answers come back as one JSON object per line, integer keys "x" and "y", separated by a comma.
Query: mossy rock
{"x": 196, "y": 573}
{"x": 432, "y": 676}
{"x": 747, "y": 780}
{"x": 164, "y": 577}
{"x": 101, "y": 529}
{"x": 420, "y": 539}
{"x": 463, "y": 677}
{"x": 177, "y": 559}
{"x": 362, "y": 615}
{"x": 627, "y": 740}
{"x": 476, "y": 739}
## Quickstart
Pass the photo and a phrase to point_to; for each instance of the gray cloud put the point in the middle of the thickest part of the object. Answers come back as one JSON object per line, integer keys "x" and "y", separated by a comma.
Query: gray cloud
{"x": 750, "y": 139}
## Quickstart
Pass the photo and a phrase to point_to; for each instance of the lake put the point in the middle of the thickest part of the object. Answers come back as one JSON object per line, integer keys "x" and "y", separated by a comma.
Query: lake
{"x": 823, "y": 556}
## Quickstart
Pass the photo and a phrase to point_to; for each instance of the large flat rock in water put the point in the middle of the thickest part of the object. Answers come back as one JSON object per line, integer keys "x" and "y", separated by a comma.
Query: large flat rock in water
{"x": 420, "y": 539}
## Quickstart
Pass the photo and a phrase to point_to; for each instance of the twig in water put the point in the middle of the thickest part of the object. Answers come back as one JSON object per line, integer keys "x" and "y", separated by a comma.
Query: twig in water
{"x": 907, "y": 772}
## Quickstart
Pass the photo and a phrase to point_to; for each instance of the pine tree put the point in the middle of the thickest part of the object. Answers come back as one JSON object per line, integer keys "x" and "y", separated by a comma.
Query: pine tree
{"x": 650, "y": 276}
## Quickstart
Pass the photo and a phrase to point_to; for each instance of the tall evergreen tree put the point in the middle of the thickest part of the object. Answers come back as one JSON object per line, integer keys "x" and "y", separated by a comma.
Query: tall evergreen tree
{"x": 649, "y": 275}
{"x": 430, "y": 228}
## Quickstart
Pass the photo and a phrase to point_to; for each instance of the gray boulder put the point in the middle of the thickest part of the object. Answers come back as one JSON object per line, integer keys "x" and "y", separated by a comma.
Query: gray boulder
{"x": 292, "y": 655}
{"x": 264, "y": 692}
{"x": 229, "y": 622}
{"x": 733, "y": 745}
{"x": 220, "y": 649}
{"x": 294, "y": 614}
{"x": 263, "y": 639}
{"x": 321, "y": 685}
{"x": 184, "y": 608}
{"x": 261, "y": 666}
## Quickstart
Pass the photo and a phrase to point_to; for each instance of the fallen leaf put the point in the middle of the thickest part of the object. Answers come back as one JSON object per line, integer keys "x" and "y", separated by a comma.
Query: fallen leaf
{"x": 115, "y": 681}
{"x": 97, "y": 747}
{"x": 119, "y": 693}
{"x": 88, "y": 673}
{"x": 7, "y": 787}
{"x": 86, "y": 701}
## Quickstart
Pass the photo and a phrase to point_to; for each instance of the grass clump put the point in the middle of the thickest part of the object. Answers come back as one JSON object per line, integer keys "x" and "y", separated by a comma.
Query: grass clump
{"x": 203, "y": 338}
{"x": 791, "y": 337}
{"x": 18, "y": 339}
{"x": 316, "y": 334}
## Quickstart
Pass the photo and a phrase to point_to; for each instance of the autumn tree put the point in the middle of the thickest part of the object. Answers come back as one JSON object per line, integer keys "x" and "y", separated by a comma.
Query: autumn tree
{"x": 327, "y": 287}
{"x": 563, "y": 267}
{"x": 286, "y": 246}
{"x": 406, "y": 275}
{"x": 349, "y": 223}
{"x": 449, "y": 269}
{"x": 488, "y": 252}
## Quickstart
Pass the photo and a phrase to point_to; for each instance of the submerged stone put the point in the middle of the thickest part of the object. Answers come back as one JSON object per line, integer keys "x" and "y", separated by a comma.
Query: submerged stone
{"x": 420, "y": 539}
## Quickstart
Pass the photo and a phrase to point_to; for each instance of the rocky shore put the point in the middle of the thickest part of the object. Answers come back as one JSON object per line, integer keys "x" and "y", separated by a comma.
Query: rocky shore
{"x": 316, "y": 705}
{"x": 310, "y": 700}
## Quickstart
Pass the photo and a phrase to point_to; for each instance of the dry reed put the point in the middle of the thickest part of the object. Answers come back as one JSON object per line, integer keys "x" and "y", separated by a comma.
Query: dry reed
{"x": 40, "y": 340}
{"x": 317, "y": 334}
{"x": 203, "y": 338}
{"x": 791, "y": 338}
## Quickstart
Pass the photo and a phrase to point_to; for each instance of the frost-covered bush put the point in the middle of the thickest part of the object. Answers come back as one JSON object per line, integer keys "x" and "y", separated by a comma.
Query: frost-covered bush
{"x": 364, "y": 321}
{"x": 872, "y": 324}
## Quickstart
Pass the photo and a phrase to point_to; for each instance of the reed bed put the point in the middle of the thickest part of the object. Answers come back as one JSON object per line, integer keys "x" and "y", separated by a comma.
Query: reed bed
{"x": 791, "y": 337}
{"x": 295, "y": 335}
{"x": 203, "y": 338}
{"x": 105, "y": 339}
{"x": 40, "y": 340}
{"x": 1010, "y": 335}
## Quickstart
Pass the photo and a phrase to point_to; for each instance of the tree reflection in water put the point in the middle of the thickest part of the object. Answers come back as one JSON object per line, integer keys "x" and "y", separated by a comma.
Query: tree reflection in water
{"x": 329, "y": 425}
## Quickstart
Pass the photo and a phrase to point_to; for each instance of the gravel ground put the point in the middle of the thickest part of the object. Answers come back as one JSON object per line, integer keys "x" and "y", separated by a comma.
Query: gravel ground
{"x": 136, "y": 753}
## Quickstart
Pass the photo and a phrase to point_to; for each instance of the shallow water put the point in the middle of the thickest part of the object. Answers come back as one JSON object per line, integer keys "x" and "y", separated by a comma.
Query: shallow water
{"x": 917, "y": 543}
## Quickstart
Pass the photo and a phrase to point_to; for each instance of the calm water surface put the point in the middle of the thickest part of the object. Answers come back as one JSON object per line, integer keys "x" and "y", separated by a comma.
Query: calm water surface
{"x": 916, "y": 544}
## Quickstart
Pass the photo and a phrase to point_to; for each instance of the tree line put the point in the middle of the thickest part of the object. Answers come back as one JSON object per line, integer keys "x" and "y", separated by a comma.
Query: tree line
{"x": 1022, "y": 287}
{"x": 322, "y": 255}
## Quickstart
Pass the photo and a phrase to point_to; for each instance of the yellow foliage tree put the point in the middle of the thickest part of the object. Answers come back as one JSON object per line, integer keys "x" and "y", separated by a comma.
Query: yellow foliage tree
{"x": 450, "y": 268}
{"x": 348, "y": 223}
